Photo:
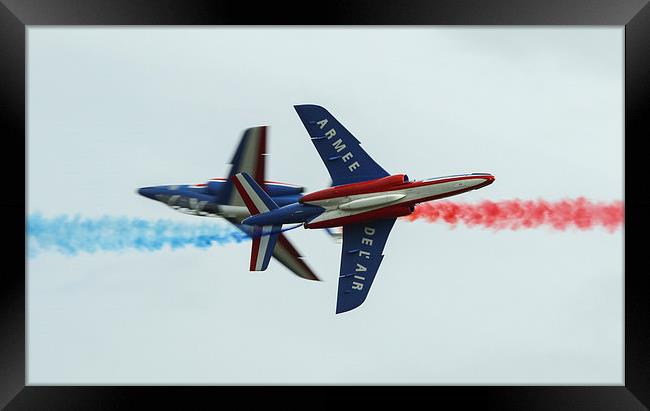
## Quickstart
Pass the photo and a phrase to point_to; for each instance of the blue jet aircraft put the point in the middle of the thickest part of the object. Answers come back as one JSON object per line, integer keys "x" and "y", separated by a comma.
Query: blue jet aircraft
{"x": 218, "y": 198}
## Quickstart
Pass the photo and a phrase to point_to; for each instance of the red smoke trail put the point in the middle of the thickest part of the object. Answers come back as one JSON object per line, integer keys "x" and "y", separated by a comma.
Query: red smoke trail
{"x": 522, "y": 214}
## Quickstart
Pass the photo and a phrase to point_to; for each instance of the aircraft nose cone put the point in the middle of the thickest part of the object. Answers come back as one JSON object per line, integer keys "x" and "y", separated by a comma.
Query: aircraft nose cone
{"x": 146, "y": 192}
{"x": 489, "y": 179}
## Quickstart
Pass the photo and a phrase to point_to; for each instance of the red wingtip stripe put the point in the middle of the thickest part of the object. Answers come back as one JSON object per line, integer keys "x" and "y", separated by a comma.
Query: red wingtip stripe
{"x": 254, "y": 253}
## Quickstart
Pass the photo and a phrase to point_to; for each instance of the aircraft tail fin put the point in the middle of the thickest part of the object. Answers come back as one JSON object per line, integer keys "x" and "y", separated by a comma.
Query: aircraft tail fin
{"x": 256, "y": 199}
{"x": 264, "y": 237}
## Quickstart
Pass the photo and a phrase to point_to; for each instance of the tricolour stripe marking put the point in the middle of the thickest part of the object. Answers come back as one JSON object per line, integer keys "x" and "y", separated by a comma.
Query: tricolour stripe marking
{"x": 237, "y": 180}
{"x": 264, "y": 243}
{"x": 255, "y": 193}
{"x": 254, "y": 253}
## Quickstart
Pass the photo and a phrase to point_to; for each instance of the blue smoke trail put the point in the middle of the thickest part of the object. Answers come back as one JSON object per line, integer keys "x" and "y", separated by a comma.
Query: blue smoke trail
{"x": 71, "y": 235}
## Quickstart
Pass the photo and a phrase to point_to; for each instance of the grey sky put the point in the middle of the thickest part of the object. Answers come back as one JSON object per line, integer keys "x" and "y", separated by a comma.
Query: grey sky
{"x": 113, "y": 109}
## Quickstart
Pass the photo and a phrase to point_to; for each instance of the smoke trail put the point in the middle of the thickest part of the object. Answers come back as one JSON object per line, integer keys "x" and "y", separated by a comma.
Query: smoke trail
{"x": 519, "y": 214}
{"x": 71, "y": 235}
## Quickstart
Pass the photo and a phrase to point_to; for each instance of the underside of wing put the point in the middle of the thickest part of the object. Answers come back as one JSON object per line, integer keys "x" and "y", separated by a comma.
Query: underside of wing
{"x": 361, "y": 256}
{"x": 341, "y": 152}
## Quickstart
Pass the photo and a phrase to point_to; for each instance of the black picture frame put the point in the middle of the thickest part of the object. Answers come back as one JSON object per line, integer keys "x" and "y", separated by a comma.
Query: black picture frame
{"x": 17, "y": 15}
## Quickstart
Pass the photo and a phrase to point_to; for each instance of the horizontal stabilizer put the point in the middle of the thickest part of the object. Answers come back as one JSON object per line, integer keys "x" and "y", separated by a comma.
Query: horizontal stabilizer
{"x": 264, "y": 239}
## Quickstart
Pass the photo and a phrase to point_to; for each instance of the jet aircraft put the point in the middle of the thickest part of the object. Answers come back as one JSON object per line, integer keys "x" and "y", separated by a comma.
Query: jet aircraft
{"x": 365, "y": 200}
{"x": 217, "y": 198}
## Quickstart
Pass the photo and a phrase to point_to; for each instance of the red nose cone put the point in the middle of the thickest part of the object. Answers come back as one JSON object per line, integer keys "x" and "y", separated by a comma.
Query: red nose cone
{"x": 488, "y": 179}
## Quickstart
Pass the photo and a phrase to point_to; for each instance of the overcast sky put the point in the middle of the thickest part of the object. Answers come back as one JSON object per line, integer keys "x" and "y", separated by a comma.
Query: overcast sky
{"x": 114, "y": 109}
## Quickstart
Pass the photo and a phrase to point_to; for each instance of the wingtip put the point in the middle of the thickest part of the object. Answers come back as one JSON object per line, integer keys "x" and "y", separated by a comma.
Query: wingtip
{"x": 300, "y": 106}
{"x": 345, "y": 309}
{"x": 342, "y": 310}
{"x": 310, "y": 275}
{"x": 343, "y": 305}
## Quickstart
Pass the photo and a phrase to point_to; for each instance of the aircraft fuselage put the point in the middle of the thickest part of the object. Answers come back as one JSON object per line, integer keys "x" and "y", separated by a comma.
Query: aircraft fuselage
{"x": 208, "y": 200}
{"x": 388, "y": 197}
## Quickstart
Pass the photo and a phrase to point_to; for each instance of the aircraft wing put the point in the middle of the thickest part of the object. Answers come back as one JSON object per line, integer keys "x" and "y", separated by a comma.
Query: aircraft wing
{"x": 285, "y": 253}
{"x": 361, "y": 256}
{"x": 248, "y": 158}
{"x": 341, "y": 152}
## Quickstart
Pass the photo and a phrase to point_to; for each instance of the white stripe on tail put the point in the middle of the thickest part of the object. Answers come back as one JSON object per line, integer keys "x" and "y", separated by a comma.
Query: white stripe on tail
{"x": 264, "y": 238}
